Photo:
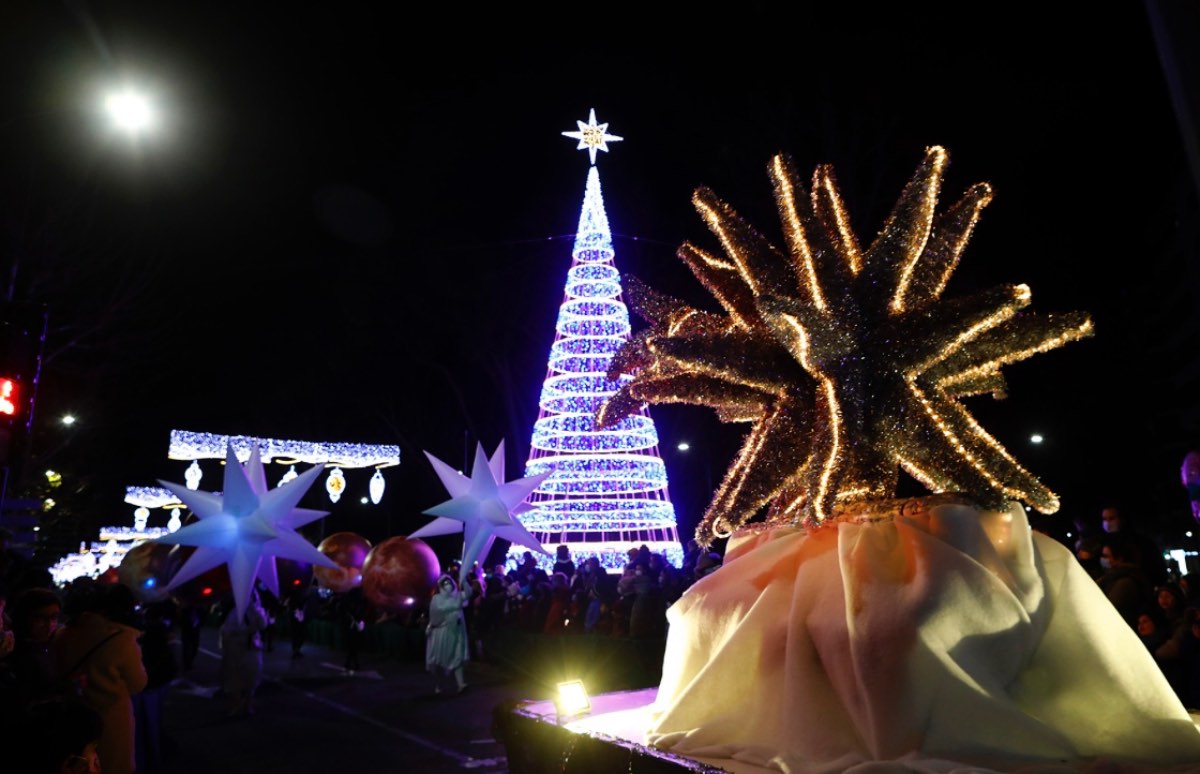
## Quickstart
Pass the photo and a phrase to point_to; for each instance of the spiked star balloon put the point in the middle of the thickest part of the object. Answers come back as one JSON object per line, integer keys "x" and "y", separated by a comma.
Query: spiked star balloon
{"x": 848, "y": 361}
{"x": 482, "y": 507}
{"x": 246, "y": 527}
{"x": 592, "y": 136}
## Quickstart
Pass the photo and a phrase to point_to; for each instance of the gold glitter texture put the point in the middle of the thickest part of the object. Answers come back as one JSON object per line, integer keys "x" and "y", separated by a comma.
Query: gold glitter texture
{"x": 848, "y": 363}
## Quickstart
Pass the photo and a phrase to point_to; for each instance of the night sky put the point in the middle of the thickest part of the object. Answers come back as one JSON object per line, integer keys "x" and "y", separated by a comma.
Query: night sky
{"x": 355, "y": 222}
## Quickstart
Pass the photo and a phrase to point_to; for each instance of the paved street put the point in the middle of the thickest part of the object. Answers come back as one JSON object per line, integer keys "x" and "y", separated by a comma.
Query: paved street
{"x": 312, "y": 717}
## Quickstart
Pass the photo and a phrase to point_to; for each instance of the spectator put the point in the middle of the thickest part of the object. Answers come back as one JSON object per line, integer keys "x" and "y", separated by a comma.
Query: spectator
{"x": 241, "y": 654}
{"x": 1151, "y": 629}
{"x": 97, "y": 650}
{"x": 1146, "y": 553}
{"x": 59, "y": 737}
{"x": 352, "y": 614}
{"x": 490, "y": 611}
{"x": 1123, "y": 581}
{"x": 302, "y": 603}
{"x": 27, "y": 674}
{"x": 647, "y": 613}
{"x": 706, "y": 564}
{"x": 271, "y": 607}
{"x": 1088, "y": 542}
{"x": 161, "y": 668}
{"x": 563, "y": 562}
{"x": 191, "y": 619}
{"x": 560, "y": 599}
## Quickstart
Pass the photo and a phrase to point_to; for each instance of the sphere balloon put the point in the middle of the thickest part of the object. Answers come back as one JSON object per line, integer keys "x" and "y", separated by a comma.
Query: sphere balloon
{"x": 146, "y": 569}
{"x": 349, "y": 551}
{"x": 399, "y": 574}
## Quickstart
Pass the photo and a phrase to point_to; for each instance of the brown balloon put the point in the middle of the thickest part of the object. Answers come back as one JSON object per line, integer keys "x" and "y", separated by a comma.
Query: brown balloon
{"x": 146, "y": 569}
{"x": 349, "y": 551}
{"x": 399, "y": 574}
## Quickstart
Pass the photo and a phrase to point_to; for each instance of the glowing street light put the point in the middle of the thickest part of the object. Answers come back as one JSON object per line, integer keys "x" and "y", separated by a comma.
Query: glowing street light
{"x": 1036, "y": 438}
{"x": 130, "y": 111}
{"x": 68, "y": 419}
{"x": 683, "y": 446}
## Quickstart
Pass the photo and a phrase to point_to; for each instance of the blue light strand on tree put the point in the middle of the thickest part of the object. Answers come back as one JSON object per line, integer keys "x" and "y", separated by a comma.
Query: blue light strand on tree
{"x": 607, "y": 492}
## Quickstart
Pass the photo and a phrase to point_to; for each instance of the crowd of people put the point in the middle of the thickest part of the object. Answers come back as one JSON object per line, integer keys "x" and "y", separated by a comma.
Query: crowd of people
{"x": 588, "y": 599}
{"x": 1158, "y": 602}
{"x": 84, "y": 668}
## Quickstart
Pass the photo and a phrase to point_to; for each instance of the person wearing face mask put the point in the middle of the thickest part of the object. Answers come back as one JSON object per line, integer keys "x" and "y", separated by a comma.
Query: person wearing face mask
{"x": 446, "y": 634}
{"x": 27, "y": 673}
{"x": 1146, "y": 552}
{"x": 1123, "y": 581}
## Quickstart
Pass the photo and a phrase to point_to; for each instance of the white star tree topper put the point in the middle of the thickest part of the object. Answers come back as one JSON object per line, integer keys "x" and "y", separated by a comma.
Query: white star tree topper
{"x": 246, "y": 527}
{"x": 483, "y": 507}
{"x": 592, "y": 136}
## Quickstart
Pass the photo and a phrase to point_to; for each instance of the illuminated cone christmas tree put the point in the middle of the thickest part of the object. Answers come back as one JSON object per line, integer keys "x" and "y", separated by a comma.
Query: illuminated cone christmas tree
{"x": 607, "y": 489}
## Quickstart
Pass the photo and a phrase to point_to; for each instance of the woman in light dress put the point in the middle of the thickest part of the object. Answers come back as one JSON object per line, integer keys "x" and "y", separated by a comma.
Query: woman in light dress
{"x": 446, "y": 635}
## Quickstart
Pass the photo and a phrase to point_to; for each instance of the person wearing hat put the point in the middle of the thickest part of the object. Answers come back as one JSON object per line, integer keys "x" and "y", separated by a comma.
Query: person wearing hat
{"x": 446, "y": 634}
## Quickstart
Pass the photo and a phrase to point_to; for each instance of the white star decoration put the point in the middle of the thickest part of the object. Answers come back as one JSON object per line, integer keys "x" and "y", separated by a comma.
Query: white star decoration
{"x": 592, "y": 136}
{"x": 246, "y": 527}
{"x": 481, "y": 506}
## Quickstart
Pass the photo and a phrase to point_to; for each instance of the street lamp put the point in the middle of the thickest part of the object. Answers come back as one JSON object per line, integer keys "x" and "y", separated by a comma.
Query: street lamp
{"x": 130, "y": 111}
{"x": 68, "y": 419}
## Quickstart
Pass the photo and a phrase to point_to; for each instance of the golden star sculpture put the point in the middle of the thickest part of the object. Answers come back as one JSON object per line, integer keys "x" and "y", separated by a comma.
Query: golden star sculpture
{"x": 849, "y": 363}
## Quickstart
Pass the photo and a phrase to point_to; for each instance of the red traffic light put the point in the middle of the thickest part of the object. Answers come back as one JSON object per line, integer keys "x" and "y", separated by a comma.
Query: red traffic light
{"x": 9, "y": 397}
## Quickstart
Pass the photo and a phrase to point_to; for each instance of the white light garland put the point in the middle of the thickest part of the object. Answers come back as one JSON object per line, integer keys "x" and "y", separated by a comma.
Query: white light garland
{"x": 187, "y": 445}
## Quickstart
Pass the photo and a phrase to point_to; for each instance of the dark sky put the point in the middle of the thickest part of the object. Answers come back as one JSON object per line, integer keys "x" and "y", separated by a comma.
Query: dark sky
{"x": 356, "y": 222}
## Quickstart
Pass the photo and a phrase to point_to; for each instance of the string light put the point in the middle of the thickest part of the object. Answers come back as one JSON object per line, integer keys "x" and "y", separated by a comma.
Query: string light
{"x": 607, "y": 488}
{"x": 848, "y": 362}
{"x": 187, "y": 445}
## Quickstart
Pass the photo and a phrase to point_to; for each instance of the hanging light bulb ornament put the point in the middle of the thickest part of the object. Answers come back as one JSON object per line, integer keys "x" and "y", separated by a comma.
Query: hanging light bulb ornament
{"x": 291, "y": 474}
{"x": 376, "y": 487}
{"x": 193, "y": 476}
{"x": 335, "y": 484}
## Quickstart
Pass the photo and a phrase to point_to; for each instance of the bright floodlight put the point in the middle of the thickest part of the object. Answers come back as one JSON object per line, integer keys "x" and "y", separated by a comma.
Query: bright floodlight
{"x": 130, "y": 111}
{"x": 1036, "y": 438}
{"x": 683, "y": 446}
{"x": 572, "y": 698}
{"x": 69, "y": 419}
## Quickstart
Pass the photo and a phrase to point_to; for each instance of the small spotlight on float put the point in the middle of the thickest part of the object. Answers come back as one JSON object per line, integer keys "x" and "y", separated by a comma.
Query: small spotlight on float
{"x": 572, "y": 699}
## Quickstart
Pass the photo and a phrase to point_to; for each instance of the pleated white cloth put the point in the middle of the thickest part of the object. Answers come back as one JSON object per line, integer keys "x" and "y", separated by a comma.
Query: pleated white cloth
{"x": 953, "y": 640}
